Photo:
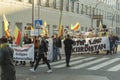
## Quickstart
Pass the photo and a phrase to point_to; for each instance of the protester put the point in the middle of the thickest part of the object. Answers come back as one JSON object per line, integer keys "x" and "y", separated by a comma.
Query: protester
{"x": 68, "y": 48}
{"x": 111, "y": 42}
{"x": 55, "y": 48}
{"x": 41, "y": 55}
{"x": 6, "y": 61}
{"x": 59, "y": 45}
{"x": 56, "y": 45}
{"x": 116, "y": 43}
{"x": 36, "y": 46}
{"x": 50, "y": 54}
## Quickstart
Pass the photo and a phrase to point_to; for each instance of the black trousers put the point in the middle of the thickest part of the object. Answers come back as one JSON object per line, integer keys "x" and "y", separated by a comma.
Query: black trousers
{"x": 68, "y": 55}
{"x": 35, "y": 58}
{"x": 41, "y": 56}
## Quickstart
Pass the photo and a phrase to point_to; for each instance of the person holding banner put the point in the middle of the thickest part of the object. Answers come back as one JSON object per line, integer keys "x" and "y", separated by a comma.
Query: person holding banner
{"x": 6, "y": 60}
{"x": 41, "y": 55}
{"x": 68, "y": 48}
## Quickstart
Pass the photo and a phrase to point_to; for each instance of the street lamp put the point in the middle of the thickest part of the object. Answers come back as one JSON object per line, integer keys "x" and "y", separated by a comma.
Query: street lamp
{"x": 113, "y": 16}
{"x": 32, "y": 13}
{"x": 61, "y": 9}
{"x": 94, "y": 12}
{"x": 39, "y": 1}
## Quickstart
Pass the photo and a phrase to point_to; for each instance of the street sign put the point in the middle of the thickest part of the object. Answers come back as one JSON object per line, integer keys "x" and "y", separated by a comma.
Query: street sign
{"x": 97, "y": 17}
{"x": 38, "y": 23}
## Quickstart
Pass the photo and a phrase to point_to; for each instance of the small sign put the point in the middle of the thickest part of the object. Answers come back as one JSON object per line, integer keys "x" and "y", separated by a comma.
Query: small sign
{"x": 97, "y": 17}
{"x": 38, "y": 23}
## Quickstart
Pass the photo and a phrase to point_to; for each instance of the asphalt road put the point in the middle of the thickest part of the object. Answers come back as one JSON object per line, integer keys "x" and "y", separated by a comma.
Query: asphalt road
{"x": 83, "y": 67}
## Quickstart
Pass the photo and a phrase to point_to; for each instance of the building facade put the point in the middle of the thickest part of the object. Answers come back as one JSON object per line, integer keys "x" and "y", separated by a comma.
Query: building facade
{"x": 88, "y": 13}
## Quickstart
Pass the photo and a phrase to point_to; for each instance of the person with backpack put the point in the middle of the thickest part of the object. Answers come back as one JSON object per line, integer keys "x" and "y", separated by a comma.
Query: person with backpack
{"x": 41, "y": 55}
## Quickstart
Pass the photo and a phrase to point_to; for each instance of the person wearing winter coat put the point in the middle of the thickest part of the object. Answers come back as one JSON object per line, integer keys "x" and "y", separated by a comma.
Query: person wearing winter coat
{"x": 6, "y": 61}
{"x": 68, "y": 42}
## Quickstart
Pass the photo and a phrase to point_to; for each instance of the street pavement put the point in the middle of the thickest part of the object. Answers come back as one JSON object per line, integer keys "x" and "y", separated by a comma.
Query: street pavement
{"x": 83, "y": 67}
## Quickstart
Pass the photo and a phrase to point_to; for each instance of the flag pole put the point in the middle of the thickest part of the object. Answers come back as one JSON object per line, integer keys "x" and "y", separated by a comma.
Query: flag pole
{"x": 61, "y": 9}
{"x": 32, "y": 12}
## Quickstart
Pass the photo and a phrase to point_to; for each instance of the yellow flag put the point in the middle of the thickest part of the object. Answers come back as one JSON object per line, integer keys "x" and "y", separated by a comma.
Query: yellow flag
{"x": 45, "y": 24}
{"x": 100, "y": 26}
{"x": 60, "y": 30}
{"x": 76, "y": 27}
{"x": 31, "y": 28}
{"x": 6, "y": 24}
{"x": 71, "y": 27}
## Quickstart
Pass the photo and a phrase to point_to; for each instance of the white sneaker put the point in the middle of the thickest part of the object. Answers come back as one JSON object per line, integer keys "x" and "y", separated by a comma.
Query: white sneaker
{"x": 49, "y": 71}
{"x": 32, "y": 70}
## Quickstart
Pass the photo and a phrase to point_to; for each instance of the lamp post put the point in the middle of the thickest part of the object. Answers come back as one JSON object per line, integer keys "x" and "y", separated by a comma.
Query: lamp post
{"x": 94, "y": 13}
{"x": 39, "y": 1}
{"x": 32, "y": 13}
{"x": 113, "y": 16}
{"x": 61, "y": 9}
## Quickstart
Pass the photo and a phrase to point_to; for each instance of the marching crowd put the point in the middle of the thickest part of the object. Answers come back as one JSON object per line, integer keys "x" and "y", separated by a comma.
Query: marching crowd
{"x": 45, "y": 49}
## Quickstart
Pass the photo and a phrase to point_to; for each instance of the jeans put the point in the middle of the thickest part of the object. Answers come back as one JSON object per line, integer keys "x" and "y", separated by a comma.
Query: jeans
{"x": 56, "y": 53}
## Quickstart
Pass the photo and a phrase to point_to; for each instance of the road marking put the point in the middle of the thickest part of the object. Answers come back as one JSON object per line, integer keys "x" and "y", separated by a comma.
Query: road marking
{"x": 104, "y": 64}
{"x": 115, "y": 68}
{"x": 74, "y": 62}
{"x": 62, "y": 61}
{"x": 88, "y": 63}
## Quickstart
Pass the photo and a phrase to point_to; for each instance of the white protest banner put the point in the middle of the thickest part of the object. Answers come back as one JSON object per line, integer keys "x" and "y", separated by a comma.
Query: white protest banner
{"x": 24, "y": 53}
{"x": 91, "y": 44}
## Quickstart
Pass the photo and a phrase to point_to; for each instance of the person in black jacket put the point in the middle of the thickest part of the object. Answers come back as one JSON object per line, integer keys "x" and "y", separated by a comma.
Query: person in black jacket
{"x": 41, "y": 55}
{"x": 68, "y": 48}
{"x": 6, "y": 61}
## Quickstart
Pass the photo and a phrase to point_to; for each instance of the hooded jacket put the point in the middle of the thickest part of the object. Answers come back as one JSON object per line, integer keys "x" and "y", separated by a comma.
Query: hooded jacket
{"x": 6, "y": 63}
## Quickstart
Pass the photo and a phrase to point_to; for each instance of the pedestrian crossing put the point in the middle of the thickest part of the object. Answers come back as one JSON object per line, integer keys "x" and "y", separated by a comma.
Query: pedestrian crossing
{"x": 89, "y": 63}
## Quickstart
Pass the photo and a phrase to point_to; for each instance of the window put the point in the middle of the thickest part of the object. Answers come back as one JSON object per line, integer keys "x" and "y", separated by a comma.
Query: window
{"x": 96, "y": 11}
{"x": 86, "y": 29}
{"x": 86, "y": 10}
{"x": 72, "y": 7}
{"x": 77, "y": 7}
{"x": 54, "y": 4}
{"x": 90, "y": 11}
{"x": 118, "y": 18}
{"x": 81, "y": 8}
{"x": 19, "y": 0}
{"x": 67, "y": 6}
{"x": 61, "y": 5}
{"x": 30, "y": 1}
{"x": 82, "y": 28}
{"x": 39, "y": 2}
{"x": 47, "y": 3}
{"x": 105, "y": 15}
